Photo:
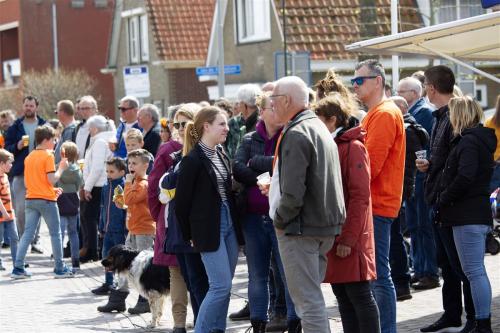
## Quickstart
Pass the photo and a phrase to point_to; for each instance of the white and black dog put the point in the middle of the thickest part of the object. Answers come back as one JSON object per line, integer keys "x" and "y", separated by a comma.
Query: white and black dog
{"x": 151, "y": 281}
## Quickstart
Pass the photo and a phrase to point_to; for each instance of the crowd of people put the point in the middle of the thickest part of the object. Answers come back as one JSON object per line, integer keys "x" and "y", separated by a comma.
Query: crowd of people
{"x": 316, "y": 186}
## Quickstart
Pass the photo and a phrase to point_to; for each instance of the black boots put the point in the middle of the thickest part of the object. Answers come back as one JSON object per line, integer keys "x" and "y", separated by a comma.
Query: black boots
{"x": 258, "y": 326}
{"x": 483, "y": 326}
{"x": 294, "y": 326}
{"x": 142, "y": 306}
{"x": 116, "y": 302}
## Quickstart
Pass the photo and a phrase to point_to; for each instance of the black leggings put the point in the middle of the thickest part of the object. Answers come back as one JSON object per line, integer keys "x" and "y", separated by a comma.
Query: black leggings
{"x": 89, "y": 215}
{"x": 357, "y": 307}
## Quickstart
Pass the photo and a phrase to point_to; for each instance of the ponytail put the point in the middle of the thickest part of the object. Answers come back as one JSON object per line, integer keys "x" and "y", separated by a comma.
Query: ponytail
{"x": 191, "y": 138}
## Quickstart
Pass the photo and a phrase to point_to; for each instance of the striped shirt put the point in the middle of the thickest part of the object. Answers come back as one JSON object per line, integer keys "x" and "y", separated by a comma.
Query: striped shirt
{"x": 219, "y": 167}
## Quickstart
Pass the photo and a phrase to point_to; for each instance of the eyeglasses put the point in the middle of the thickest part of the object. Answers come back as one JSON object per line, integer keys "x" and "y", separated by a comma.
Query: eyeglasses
{"x": 399, "y": 92}
{"x": 181, "y": 124}
{"x": 361, "y": 79}
{"x": 275, "y": 96}
{"x": 84, "y": 108}
{"x": 122, "y": 109}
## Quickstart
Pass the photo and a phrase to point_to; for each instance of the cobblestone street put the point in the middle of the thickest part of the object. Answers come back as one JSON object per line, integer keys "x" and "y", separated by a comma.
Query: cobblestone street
{"x": 44, "y": 304}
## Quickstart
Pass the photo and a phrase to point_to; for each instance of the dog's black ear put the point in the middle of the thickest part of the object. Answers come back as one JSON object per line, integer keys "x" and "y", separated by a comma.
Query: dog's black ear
{"x": 123, "y": 257}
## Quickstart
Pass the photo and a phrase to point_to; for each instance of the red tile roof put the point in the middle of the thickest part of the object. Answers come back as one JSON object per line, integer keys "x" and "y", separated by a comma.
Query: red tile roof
{"x": 323, "y": 27}
{"x": 181, "y": 28}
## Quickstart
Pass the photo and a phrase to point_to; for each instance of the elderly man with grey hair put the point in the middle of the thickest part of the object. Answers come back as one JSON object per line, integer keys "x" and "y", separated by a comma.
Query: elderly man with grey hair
{"x": 128, "y": 107}
{"x": 247, "y": 117}
{"x": 148, "y": 118}
{"x": 306, "y": 201}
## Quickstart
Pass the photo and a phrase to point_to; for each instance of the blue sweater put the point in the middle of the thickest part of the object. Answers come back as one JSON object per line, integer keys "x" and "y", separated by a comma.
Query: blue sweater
{"x": 112, "y": 218}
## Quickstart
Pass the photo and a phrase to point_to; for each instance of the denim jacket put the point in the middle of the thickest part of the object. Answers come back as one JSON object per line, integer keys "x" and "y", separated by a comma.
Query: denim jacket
{"x": 112, "y": 218}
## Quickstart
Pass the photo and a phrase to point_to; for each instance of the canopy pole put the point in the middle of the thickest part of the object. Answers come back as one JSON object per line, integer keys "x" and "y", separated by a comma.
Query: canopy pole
{"x": 461, "y": 63}
{"x": 394, "y": 30}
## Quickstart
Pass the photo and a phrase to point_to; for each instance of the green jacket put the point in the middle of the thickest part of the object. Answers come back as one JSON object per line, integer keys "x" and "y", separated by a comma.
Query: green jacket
{"x": 71, "y": 179}
{"x": 238, "y": 127}
{"x": 312, "y": 198}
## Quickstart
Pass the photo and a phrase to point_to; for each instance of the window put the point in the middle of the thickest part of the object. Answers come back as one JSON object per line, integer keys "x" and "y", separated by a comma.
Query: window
{"x": 138, "y": 41}
{"x": 450, "y": 10}
{"x": 253, "y": 19}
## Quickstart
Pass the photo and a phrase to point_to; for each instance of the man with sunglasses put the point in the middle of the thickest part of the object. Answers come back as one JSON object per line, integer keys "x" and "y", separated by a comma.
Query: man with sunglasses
{"x": 386, "y": 145}
{"x": 128, "y": 107}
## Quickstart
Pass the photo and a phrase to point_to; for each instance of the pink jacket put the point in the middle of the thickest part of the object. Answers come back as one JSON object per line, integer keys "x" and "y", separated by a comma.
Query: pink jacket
{"x": 163, "y": 161}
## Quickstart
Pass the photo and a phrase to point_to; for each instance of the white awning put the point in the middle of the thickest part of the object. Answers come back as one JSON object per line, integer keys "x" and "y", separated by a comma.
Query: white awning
{"x": 472, "y": 39}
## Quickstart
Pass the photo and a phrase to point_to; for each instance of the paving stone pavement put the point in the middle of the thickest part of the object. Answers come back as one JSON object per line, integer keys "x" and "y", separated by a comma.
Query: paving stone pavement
{"x": 44, "y": 304}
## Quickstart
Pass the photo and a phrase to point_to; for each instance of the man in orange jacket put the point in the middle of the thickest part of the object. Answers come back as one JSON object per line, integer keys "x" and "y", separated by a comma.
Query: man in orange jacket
{"x": 385, "y": 142}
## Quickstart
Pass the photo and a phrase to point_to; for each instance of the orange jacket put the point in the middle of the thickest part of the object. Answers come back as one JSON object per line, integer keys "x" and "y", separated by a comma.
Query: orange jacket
{"x": 386, "y": 145}
{"x": 140, "y": 221}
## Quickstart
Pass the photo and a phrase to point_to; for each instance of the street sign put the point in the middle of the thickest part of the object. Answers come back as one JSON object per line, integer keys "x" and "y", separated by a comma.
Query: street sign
{"x": 136, "y": 81}
{"x": 214, "y": 70}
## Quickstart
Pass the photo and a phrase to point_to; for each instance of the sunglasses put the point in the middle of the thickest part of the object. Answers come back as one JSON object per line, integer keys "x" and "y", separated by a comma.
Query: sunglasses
{"x": 179, "y": 125}
{"x": 361, "y": 79}
{"x": 122, "y": 109}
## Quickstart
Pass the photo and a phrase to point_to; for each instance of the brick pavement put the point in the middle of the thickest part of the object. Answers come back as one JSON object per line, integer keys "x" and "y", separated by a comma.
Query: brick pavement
{"x": 44, "y": 304}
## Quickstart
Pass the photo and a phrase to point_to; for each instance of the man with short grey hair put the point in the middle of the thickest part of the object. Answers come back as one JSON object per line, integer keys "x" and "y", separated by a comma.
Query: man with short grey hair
{"x": 246, "y": 120}
{"x": 86, "y": 108}
{"x": 148, "y": 119}
{"x": 306, "y": 200}
{"x": 128, "y": 107}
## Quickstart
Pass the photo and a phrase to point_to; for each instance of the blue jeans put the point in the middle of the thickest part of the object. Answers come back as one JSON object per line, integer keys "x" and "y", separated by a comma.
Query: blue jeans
{"x": 50, "y": 213}
{"x": 220, "y": 266}
{"x": 277, "y": 301}
{"x": 71, "y": 223}
{"x": 260, "y": 244}
{"x": 18, "y": 190}
{"x": 111, "y": 239}
{"x": 470, "y": 243}
{"x": 196, "y": 279}
{"x": 419, "y": 224}
{"x": 453, "y": 277}
{"x": 9, "y": 229}
{"x": 383, "y": 288}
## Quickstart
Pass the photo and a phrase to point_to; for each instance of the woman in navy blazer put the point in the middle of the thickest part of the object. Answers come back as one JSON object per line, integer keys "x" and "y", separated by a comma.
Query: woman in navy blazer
{"x": 206, "y": 214}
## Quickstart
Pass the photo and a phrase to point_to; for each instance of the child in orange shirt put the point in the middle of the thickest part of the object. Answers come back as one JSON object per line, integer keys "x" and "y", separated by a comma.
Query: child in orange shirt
{"x": 141, "y": 226}
{"x": 40, "y": 175}
{"x": 7, "y": 224}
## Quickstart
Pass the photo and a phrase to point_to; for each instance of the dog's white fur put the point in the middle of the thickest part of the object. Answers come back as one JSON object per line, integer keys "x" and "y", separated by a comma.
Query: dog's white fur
{"x": 155, "y": 298}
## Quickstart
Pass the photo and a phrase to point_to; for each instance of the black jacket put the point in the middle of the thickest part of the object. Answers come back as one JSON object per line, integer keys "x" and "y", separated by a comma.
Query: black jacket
{"x": 416, "y": 139}
{"x": 198, "y": 202}
{"x": 464, "y": 186}
{"x": 441, "y": 137}
{"x": 152, "y": 139}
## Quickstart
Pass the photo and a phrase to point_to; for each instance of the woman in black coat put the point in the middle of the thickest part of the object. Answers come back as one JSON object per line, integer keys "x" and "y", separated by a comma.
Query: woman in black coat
{"x": 206, "y": 214}
{"x": 464, "y": 199}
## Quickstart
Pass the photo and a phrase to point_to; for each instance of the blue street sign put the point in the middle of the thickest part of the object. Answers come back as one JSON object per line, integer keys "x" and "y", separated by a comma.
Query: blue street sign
{"x": 214, "y": 70}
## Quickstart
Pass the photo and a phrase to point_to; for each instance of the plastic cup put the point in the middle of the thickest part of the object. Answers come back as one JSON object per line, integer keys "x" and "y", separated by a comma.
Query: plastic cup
{"x": 26, "y": 140}
{"x": 421, "y": 154}
{"x": 264, "y": 179}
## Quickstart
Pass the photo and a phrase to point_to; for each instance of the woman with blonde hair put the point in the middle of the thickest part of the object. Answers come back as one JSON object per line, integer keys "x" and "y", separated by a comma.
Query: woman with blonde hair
{"x": 463, "y": 200}
{"x": 206, "y": 214}
{"x": 159, "y": 212}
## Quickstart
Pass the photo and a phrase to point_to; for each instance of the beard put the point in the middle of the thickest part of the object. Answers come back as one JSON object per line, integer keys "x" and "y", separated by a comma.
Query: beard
{"x": 29, "y": 114}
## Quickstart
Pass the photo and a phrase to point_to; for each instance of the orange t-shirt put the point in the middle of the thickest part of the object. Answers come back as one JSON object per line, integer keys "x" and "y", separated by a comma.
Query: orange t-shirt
{"x": 37, "y": 165}
{"x": 6, "y": 198}
{"x": 140, "y": 221}
{"x": 2, "y": 141}
{"x": 386, "y": 145}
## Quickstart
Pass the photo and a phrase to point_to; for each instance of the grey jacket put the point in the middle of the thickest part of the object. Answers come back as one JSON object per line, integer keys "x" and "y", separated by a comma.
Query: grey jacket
{"x": 312, "y": 199}
{"x": 71, "y": 179}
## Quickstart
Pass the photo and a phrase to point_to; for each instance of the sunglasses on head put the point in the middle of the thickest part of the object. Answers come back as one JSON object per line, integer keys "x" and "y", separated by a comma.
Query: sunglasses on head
{"x": 181, "y": 124}
{"x": 361, "y": 79}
